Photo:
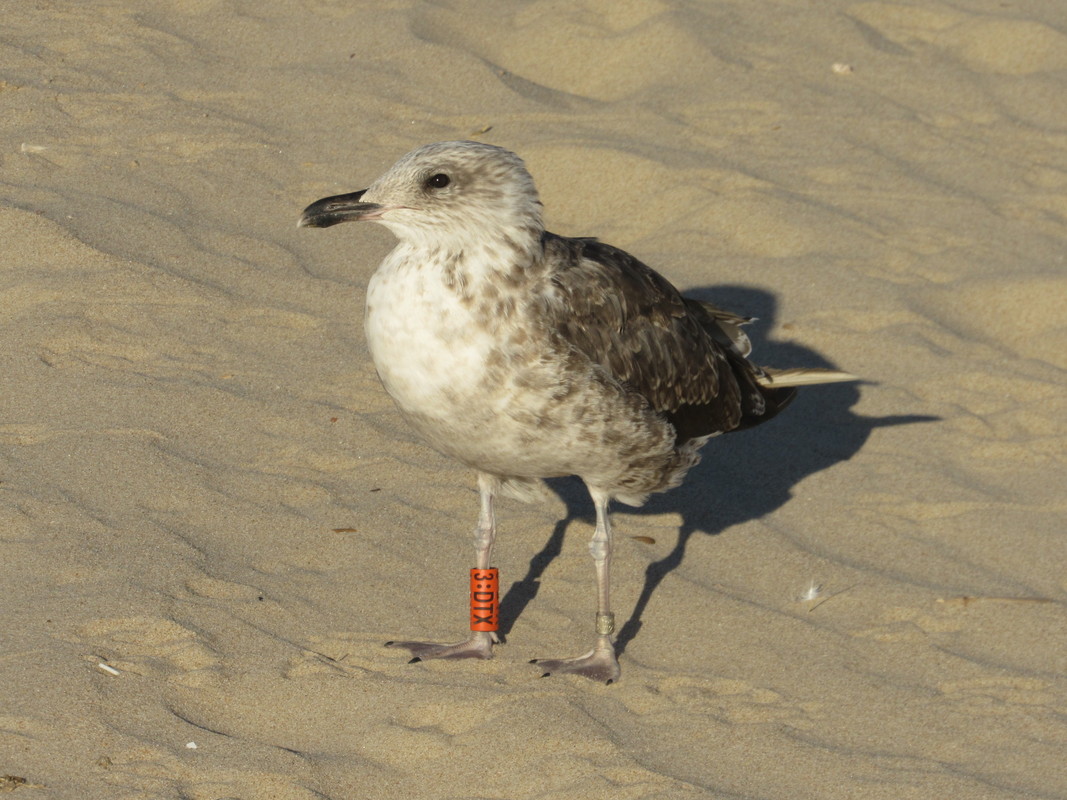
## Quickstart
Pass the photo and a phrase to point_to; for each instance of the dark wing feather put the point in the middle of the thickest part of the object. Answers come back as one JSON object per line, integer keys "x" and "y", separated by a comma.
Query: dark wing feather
{"x": 686, "y": 358}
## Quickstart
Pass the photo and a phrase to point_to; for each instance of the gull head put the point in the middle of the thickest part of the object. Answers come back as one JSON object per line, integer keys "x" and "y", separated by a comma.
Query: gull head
{"x": 443, "y": 194}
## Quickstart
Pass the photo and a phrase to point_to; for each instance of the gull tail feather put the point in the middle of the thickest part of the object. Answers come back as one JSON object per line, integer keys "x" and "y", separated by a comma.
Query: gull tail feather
{"x": 803, "y": 376}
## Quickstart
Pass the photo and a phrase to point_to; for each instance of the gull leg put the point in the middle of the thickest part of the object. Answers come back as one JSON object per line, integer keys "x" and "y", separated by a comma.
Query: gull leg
{"x": 599, "y": 663}
{"x": 480, "y": 644}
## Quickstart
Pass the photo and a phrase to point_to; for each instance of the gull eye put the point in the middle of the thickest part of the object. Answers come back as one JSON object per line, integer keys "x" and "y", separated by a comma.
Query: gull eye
{"x": 438, "y": 181}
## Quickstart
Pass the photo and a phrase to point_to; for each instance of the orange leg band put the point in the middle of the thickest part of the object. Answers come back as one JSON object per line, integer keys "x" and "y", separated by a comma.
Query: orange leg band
{"x": 485, "y": 599}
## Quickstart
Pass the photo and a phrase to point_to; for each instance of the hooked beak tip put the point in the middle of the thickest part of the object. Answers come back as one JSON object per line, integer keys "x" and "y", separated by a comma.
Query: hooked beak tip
{"x": 339, "y": 208}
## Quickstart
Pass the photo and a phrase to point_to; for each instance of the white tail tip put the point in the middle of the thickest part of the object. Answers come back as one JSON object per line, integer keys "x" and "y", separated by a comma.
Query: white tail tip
{"x": 803, "y": 377}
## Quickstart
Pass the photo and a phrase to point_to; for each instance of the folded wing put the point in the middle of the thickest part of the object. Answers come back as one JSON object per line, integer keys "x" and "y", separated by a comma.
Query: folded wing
{"x": 685, "y": 357}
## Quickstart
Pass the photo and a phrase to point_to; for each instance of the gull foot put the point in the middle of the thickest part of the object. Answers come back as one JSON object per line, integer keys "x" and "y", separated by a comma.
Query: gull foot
{"x": 599, "y": 664}
{"x": 479, "y": 645}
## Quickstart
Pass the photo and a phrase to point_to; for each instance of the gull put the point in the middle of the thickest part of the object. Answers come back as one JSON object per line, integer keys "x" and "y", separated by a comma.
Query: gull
{"x": 526, "y": 355}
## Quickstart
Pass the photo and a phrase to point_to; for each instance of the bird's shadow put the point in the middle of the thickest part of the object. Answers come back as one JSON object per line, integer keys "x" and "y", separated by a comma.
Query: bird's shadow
{"x": 742, "y": 476}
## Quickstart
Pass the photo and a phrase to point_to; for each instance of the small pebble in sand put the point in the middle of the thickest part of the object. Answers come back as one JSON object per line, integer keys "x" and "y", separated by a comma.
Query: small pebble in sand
{"x": 813, "y": 592}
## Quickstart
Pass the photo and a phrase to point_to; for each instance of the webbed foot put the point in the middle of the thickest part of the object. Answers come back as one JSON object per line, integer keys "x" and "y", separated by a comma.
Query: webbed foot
{"x": 479, "y": 645}
{"x": 599, "y": 664}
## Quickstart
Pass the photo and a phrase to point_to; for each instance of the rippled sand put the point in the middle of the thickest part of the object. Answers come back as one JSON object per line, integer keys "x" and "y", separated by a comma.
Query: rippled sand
{"x": 213, "y": 516}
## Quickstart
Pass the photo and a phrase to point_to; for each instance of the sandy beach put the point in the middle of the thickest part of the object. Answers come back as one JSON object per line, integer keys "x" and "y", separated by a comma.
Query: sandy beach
{"x": 213, "y": 516}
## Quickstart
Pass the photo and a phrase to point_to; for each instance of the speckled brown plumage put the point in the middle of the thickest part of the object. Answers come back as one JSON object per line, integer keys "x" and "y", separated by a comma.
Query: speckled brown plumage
{"x": 675, "y": 352}
{"x": 527, "y": 355}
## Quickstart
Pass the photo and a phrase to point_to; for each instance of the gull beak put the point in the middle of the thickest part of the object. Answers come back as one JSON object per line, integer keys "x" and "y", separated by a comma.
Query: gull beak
{"x": 340, "y": 208}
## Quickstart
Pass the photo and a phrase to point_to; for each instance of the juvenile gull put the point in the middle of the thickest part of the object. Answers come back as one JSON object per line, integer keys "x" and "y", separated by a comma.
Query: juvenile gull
{"x": 527, "y": 355}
